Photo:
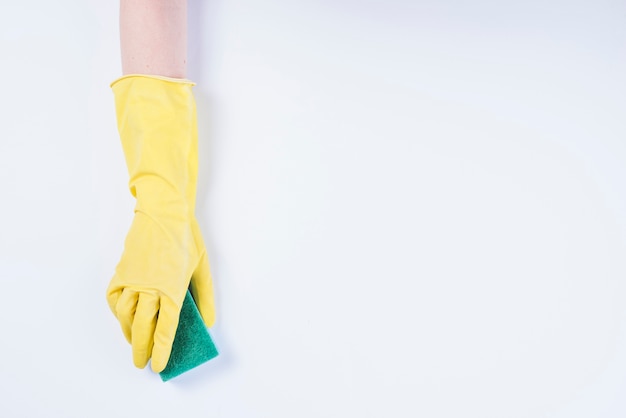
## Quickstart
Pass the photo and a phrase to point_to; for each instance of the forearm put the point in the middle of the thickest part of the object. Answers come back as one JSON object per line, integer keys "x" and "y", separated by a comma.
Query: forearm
{"x": 153, "y": 37}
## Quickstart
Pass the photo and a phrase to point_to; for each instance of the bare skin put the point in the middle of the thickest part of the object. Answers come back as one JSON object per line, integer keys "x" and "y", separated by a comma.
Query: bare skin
{"x": 153, "y": 37}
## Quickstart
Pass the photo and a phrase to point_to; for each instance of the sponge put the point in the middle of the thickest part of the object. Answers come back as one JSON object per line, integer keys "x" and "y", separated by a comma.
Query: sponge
{"x": 192, "y": 344}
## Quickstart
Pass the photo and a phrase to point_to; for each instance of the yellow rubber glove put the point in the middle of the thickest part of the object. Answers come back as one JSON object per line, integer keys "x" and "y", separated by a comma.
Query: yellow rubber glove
{"x": 164, "y": 253}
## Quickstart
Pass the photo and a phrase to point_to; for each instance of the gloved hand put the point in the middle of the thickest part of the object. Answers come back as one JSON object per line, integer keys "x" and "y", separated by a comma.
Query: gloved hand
{"x": 164, "y": 253}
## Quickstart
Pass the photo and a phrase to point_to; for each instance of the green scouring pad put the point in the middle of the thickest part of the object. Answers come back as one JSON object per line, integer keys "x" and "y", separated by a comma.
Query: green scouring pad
{"x": 192, "y": 344}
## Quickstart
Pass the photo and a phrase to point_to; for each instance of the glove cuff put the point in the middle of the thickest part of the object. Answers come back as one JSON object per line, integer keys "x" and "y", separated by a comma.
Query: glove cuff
{"x": 154, "y": 76}
{"x": 156, "y": 119}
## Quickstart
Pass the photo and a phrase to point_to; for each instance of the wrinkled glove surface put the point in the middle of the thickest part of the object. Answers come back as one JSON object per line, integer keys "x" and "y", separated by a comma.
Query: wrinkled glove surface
{"x": 164, "y": 253}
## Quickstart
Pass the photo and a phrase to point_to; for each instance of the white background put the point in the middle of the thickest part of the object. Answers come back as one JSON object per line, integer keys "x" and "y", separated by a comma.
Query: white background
{"x": 413, "y": 208}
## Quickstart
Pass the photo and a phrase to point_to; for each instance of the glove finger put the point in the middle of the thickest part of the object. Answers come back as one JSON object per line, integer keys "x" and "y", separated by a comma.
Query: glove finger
{"x": 164, "y": 333}
{"x": 125, "y": 311}
{"x": 112, "y": 298}
{"x": 143, "y": 328}
{"x": 201, "y": 288}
